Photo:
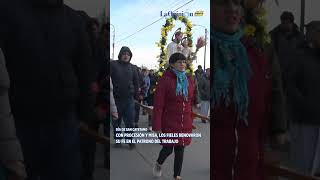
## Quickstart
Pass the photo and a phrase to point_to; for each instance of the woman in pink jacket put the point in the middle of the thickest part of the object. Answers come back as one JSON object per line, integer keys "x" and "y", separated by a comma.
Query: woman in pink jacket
{"x": 174, "y": 97}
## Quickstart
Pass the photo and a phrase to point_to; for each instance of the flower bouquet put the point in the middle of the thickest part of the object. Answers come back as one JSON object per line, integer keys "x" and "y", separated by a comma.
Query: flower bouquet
{"x": 200, "y": 43}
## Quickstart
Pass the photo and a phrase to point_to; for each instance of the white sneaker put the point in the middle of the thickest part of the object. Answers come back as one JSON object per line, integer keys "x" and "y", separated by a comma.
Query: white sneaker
{"x": 157, "y": 170}
{"x": 178, "y": 178}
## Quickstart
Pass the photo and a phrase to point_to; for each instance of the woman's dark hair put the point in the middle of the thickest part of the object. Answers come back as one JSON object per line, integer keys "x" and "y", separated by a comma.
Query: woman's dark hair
{"x": 175, "y": 57}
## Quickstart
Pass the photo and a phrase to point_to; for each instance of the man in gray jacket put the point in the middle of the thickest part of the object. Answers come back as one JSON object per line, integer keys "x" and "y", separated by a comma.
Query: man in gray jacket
{"x": 125, "y": 81}
{"x": 304, "y": 98}
{"x": 10, "y": 150}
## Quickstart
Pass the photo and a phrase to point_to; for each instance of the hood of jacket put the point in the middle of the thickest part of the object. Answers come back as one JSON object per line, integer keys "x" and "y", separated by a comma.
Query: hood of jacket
{"x": 125, "y": 49}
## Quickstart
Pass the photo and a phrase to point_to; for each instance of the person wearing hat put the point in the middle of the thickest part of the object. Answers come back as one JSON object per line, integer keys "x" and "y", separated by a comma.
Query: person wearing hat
{"x": 304, "y": 98}
{"x": 286, "y": 39}
{"x": 172, "y": 112}
{"x": 241, "y": 98}
{"x": 199, "y": 72}
{"x": 176, "y": 44}
{"x": 204, "y": 88}
{"x": 125, "y": 81}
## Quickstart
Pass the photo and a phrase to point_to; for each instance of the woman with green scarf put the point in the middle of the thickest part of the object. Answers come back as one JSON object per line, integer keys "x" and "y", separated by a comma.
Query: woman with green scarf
{"x": 172, "y": 112}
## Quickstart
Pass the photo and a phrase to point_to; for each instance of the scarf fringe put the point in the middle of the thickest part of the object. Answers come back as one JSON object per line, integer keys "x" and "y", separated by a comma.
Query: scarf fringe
{"x": 232, "y": 71}
{"x": 182, "y": 83}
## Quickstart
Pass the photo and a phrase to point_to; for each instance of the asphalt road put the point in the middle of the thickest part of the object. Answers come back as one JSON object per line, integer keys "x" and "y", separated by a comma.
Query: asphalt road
{"x": 137, "y": 164}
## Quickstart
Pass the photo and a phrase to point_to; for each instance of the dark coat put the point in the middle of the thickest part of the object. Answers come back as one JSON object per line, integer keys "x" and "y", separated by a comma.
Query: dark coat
{"x": 204, "y": 88}
{"x": 304, "y": 87}
{"x": 100, "y": 87}
{"x": 285, "y": 46}
{"x": 125, "y": 81}
{"x": 171, "y": 113}
{"x": 10, "y": 149}
{"x": 249, "y": 164}
{"x": 279, "y": 119}
{"x": 48, "y": 59}
{"x": 153, "y": 81}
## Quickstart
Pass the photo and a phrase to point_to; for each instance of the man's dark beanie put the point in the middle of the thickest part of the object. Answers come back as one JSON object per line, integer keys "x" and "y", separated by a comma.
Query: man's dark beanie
{"x": 287, "y": 16}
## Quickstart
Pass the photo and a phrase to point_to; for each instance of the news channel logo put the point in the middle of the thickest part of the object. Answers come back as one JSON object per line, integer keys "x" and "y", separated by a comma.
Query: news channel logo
{"x": 186, "y": 13}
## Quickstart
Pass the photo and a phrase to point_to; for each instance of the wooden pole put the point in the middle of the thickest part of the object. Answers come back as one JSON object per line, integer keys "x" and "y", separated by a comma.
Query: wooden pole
{"x": 89, "y": 132}
{"x": 150, "y": 109}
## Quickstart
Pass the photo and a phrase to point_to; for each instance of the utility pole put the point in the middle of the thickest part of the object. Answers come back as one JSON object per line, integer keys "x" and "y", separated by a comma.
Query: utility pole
{"x": 114, "y": 35}
{"x": 205, "y": 46}
{"x": 205, "y": 50}
{"x": 302, "y": 16}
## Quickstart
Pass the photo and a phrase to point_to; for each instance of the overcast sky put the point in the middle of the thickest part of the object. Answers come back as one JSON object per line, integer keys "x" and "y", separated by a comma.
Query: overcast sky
{"x": 93, "y": 8}
{"x": 128, "y": 16}
{"x": 274, "y": 12}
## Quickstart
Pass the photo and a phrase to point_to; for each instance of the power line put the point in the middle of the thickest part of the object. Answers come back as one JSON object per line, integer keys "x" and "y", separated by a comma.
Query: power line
{"x": 171, "y": 6}
{"x": 146, "y": 5}
{"x": 176, "y": 3}
{"x": 151, "y": 23}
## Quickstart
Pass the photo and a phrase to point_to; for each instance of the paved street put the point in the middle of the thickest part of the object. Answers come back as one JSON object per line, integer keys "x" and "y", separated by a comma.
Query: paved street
{"x": 137, "y": 164}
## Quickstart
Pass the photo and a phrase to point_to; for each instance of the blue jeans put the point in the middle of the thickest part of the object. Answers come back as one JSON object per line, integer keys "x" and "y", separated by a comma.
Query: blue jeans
{"x": 51, "y": 148}
{"x": 126, "y": 112}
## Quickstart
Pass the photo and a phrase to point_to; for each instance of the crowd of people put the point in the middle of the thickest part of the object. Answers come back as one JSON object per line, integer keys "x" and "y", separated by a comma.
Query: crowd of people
{"x": 174, "y": 96}
{"x": 56, "y": 60}
{"x": 55, "y": 76}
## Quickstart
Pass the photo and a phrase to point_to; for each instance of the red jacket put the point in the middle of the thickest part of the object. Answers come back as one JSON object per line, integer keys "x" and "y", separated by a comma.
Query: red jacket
{"x": 171, "y": 113}
{"x": 248, "y": 165}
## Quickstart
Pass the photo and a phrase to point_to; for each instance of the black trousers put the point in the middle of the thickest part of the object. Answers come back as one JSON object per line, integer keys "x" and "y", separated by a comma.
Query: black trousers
{"x": 137, "y": 114}
{"x": 178, "y": 157}
{"x": 106, "y": 132}
{"x": 51, "y": 146}
{"x": 88, "y": 153}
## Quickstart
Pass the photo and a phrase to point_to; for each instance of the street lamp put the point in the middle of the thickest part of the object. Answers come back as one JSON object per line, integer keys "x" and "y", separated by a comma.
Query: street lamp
{"x": 302, "y": 16}
{"x": 205, "y": 46}
{"x": 114, "y": 34}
